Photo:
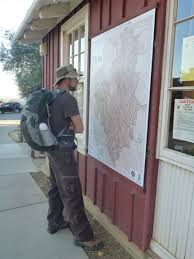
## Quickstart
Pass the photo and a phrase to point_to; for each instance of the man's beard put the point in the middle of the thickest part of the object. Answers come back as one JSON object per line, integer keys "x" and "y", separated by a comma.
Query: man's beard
{"x": 72, "y": 88}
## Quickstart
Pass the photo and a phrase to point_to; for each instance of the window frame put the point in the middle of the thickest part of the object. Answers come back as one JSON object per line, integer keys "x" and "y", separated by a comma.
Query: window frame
{"x": 163, "y": 152}
{"x": 80, "y": 52}
{"x": 78, "y": 19}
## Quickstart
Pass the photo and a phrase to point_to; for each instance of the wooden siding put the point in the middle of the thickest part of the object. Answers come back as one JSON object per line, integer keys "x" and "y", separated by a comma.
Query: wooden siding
{"x": 51, "y": 60}
{"x": 106, "y": 14}
{"x": 174, "y": 213}
{"x": 130, "y": 207}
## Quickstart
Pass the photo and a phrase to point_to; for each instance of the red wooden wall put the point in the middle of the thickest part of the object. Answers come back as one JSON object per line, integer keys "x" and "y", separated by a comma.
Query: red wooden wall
{"x": 51, "y": 60}
{"x": 130, "y": 207}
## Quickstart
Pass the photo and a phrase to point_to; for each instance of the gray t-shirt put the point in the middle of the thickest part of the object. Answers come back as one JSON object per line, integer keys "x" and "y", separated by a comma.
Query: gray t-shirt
{"x": 62, "y": 108}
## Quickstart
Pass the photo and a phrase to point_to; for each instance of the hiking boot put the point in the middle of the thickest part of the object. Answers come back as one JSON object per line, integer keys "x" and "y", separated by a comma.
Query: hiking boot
{"x": 92, "y": 245}
{"x": 52, "y": 229}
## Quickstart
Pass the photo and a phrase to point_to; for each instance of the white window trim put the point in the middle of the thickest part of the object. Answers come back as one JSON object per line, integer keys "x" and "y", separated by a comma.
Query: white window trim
{"x": 163, "y": 153}
{"x": 78, "y": 19}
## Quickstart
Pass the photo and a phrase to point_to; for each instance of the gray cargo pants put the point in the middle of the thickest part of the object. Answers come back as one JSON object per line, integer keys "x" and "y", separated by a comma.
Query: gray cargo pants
{"x": 65, "y": 192}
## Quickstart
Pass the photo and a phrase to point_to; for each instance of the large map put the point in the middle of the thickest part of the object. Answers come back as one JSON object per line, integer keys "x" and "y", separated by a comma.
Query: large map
{"x": 121, "y": 64}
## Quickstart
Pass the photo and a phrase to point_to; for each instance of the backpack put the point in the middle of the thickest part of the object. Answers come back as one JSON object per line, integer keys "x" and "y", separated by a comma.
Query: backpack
{"x": 35, "y": 124}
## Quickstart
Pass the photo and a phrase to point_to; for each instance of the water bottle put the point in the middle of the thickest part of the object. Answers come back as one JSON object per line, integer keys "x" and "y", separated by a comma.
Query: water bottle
{"x": 47, "y": 136}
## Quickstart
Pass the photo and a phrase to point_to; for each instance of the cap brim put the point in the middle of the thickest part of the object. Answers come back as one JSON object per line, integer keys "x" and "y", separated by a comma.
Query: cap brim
{"x": 73, "y": 75}
{"x": 70, "y": 75}
{"x": 58, "y": 80}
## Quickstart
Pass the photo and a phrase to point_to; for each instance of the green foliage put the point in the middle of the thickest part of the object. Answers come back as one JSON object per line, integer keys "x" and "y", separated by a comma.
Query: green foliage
{"x": 23, "y": 60}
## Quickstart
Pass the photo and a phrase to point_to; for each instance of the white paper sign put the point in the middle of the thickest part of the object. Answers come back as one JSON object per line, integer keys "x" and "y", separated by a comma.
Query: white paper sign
{"x": 183, "y": 128}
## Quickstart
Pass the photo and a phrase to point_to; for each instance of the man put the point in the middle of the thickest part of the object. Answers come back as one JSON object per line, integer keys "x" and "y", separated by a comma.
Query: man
{"x": 65, "y": 189}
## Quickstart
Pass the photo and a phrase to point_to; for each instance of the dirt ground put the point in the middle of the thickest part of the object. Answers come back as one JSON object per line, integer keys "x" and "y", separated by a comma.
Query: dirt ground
{"x": 15, "y": 135}
{"x": 112, "y": 249}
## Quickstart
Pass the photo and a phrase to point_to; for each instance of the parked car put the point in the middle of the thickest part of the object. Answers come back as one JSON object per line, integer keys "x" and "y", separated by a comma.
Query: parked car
{"x": 10, "y": 107}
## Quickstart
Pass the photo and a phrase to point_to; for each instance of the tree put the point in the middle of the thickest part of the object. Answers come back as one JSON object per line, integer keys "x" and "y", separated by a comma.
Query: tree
{"x": 23, "y": 60}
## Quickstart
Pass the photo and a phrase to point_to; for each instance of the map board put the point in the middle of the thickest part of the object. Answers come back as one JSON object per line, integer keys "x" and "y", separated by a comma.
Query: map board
{"x": 120, "y": 79}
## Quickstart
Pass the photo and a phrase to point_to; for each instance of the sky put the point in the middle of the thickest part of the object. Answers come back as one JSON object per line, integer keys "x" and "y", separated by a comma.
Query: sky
{"x": 12, "y": 13}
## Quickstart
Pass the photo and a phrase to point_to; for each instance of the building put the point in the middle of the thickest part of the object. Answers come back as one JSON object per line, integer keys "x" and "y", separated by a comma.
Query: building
{"x": 136, "y": 96}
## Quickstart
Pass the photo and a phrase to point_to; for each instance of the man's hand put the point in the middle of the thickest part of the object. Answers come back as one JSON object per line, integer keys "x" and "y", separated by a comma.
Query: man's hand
{"x": 77, "y": 124}
{"x": 71, "y": 126}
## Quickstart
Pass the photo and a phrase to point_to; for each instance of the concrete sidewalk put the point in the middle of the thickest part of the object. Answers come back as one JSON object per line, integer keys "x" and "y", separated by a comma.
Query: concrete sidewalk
{"x": 23, "y": 210}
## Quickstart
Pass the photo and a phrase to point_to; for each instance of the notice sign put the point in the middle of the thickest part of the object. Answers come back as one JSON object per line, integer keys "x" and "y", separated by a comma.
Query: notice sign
{"x": 183, "y": 127}
{"x": 187, "y": 64}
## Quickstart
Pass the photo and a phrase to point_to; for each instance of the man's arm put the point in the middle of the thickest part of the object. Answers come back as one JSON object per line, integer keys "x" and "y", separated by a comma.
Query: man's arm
{"x": 77, "y": 124}
{"x": 72, "y": 112}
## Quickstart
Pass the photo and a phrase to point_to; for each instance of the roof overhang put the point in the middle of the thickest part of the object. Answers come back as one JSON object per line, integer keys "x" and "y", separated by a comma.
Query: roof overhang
{"x": 42, "y": 17}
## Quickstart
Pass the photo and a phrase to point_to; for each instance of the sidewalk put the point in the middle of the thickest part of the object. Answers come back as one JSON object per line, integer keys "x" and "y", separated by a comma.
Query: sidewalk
{"x": 23, "y": 210}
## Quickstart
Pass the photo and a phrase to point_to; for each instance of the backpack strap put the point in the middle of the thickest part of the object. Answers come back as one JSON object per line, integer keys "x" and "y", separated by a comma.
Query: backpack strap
{"x": 71, "y": 137}
{"x": 61, "y": 133}
{"x": 65, "y": 128}
{"x": 56, "y": 93}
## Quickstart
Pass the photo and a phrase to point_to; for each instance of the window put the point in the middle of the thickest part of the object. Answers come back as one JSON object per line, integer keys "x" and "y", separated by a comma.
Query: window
{"x": 181, "y": 126}
{"x": 76, "y": 57}
{"x": 74, "y": 49}
{"x": 178, "y": 80}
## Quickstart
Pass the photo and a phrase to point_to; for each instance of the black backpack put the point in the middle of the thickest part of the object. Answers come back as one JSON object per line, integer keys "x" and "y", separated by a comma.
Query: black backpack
{"x": 35, "y": 124}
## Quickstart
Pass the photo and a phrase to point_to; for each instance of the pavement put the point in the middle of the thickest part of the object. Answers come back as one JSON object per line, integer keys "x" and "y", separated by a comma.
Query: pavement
{"x": 23, "y": 206}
